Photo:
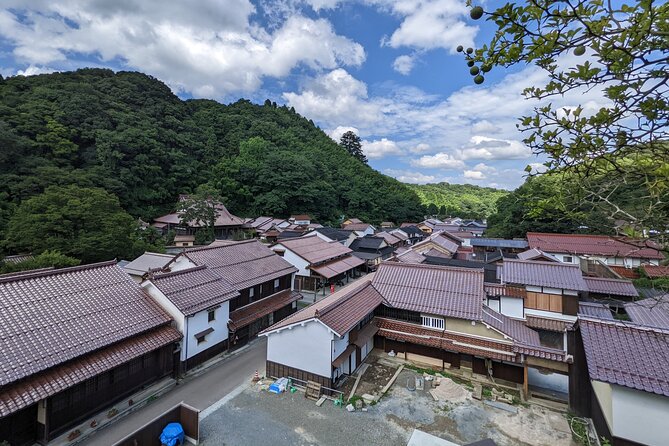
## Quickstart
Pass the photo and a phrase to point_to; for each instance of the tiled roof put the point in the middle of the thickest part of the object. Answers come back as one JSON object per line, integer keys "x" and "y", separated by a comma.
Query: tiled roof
{"x": 368, "y": 242}
{"x": 357, "y": 227}
{"x": 15, "y": 259}
{"x": 388, "y": 237}
{"x": 147, "y": 261}
{"x": 536, "y": 253}
{"x": 594, "y": 309}
{"x": 314, "y": 249}
{"x": 627, "y": 355}
{"x": 341, "y": 310}
{"x": 51, "y": 317}
{"x": 498, "y": 243}
{"x": 439, "y": 240}
{"x": 542, "y": 323}
{"x": 410, "y": 256}
{"x": 400, "y": 234}
{"x": 41, "y": 386}
{"x": 547, "y": 274}
{"x": 446, "y": 291}
{"x": 300, "y": 217}
{"x": 194, "y": 289}
{"x": 656, "y": 272}
{"x": 355, "y": 220}
{"x": 514, "y": 329}
{"x": 253, "y": 311}
{"x": 337, "y": 266}
{"x": 334, "y": 234}
{"x": 614, "y": 287}
{"x": 597, "y": 245}
{"x": 652, "y": 311}
{"x": 223, "y": 218}
{"x": 242, "y": 264}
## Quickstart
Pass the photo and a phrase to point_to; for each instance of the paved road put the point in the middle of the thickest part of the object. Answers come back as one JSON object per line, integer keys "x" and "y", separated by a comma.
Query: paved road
{"x": 200, "y": 392}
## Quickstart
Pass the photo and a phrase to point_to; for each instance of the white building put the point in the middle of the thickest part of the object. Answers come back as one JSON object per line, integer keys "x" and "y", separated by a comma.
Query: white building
{"x": 198, "y": 300}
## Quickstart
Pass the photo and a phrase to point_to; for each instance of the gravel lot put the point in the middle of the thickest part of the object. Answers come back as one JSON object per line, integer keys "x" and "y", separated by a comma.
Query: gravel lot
{"x": 256, "y": 417}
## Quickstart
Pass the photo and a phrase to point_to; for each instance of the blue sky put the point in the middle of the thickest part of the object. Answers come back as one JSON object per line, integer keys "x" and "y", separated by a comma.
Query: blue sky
{"x": 386, "y": 69}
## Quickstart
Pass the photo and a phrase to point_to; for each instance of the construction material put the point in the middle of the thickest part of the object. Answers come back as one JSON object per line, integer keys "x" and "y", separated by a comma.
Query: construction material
{"x": 363, "y": 369}
{"x": 320, "y": 401}
{"x": 420, "y": 383}
{"x": 368, "y": 399}
{"x": 350, "y": 408}
{"x": 313, "y": 390}
{"x": 502, "y": 406}
{"x": 392, "y": 380}
{"x": 449, "y": 391}
{"x": 478, "y": 391}
{"x": 279, "y": 385}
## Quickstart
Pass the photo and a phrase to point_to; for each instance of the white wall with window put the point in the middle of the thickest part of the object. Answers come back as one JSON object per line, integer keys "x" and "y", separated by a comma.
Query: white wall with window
{"x": 432, "y": 322}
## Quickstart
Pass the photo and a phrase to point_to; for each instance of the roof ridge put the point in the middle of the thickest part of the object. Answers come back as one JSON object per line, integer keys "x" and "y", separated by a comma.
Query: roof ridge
{"x": 44, "y": 273}
{"x": 336, "y": 302}
{"x": 625, "y": 324}
{"x": 542, "y": 262}
{"x": 176, "y": 273}
{"x": 204, "y": 248}
{"x": 431, "y": 266}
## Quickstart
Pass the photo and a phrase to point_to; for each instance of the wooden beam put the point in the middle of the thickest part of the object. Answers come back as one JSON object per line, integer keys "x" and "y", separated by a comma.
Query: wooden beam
{"x": 525, "y": 381}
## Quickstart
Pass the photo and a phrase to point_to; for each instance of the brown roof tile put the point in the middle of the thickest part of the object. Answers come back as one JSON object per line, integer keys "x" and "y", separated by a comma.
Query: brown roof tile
{"x": 656, "y": 272}
{"x": 315, "y": 250}
{"x": 613, "y": 287}
{"x": 242, "y": 264}
{"x": 546, "y": 274}
{"x": 194, "y": 289}
{"x": 446, "y": 291}
{"x": 438, "y": 239}
{"x": 543, "y": 323}
{"x": 253, "y": 311}
{"x": 51, "y": 317}
{"x": 512, "y": 328}
{"x": 598, "y": 245}
{"x": 28, "y": 391}
{"x": 338, "y": 266}
{"x": 627, "y": 355}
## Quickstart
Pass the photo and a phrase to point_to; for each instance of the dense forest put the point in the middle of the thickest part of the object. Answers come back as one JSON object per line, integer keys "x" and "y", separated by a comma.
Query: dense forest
{"x": 96, "y": 150}
{"x": 459, "y": 200}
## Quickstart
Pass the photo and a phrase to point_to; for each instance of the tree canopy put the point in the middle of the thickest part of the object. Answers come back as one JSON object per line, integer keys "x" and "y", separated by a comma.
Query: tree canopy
{"x": 128, "y": 134}
{"x": 459, "y": 200}
{"x": 615, "y": 48}
{"x": 351, "y": 142}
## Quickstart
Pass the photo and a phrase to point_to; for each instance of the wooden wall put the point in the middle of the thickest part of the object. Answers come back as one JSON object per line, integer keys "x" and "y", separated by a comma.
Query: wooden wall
{"x": 149, "y": 434}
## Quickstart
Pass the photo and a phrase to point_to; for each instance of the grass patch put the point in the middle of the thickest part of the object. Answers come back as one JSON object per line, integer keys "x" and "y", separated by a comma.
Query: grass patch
{"x": 579, "y": 430}
{"x": 353, "y": 399}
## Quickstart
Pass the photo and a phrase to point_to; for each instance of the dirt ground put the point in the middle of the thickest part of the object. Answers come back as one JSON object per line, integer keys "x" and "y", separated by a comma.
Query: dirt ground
{"x": 261, "y": 418}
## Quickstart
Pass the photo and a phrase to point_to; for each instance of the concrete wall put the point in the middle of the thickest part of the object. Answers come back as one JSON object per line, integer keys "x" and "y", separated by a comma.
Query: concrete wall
{"x": 466, "y": 327}
{"x": 306, "y": 347}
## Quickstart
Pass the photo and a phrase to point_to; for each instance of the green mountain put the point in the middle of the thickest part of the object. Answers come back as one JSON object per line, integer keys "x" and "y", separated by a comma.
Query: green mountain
{"x": 461, "y": 200}
{"x": 128, "y": 134}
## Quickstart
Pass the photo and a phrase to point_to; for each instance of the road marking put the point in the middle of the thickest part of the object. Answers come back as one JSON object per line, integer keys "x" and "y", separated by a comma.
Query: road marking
{"x": 218, "y": 404}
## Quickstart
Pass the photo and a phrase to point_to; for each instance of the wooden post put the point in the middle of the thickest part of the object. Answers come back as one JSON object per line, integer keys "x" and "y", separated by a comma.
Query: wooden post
{"x": 525, "y": 382}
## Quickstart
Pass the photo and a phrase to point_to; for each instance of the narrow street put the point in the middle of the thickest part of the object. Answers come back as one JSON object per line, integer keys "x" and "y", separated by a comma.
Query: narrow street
{"x": 200, "y": 392}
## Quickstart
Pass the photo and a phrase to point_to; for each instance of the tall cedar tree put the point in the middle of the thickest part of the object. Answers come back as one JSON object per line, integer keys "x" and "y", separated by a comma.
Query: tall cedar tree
{"x": 351, "y": 142}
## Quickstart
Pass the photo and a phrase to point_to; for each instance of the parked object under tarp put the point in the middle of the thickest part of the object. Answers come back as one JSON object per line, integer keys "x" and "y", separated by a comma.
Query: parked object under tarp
{"x": 172, "y": 435}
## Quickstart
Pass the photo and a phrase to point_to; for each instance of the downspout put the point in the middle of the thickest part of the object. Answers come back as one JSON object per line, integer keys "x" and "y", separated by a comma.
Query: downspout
{"x": 186, "y": 346}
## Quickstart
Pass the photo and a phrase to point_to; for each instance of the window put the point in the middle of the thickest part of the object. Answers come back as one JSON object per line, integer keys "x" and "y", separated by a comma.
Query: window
{"x": 433, "y": 322}
{"x": 211, "y": 316}
{"x": 280, "y": 253}
{"x": 251, "y": 292}
{"x": 276, "y": 283}
{"x": 568, "y": 259}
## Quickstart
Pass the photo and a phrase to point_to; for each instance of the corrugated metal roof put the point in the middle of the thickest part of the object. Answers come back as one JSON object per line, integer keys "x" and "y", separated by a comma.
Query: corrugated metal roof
{"x": 147, "y": 261}
{"x": 627, "y": 355}
{"x": 243, "y": 264}
{"x": 498, "y": 243}
{"x": 546, "y": 274}
{"x": 652, "y": 311}
{"x": 51, "y": 317}
{"x": 597, "y": 245}
{"x": 194, "y": 289}
{"x": 594, "y": 309}
{"x": 446, "y": 291}
{"x": 613, "y": 287}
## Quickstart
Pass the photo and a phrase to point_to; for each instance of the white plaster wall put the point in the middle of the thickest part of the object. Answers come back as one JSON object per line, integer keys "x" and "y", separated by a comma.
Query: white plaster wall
{"x": 549, "y": 315}
{"x": 181, "y": 263}
{"x": 165, "y": 304}
{"x": 198, "y": 323}
{"x": 640, "y": 416}
{"x": 494, "y": 304}
{"x": 511, "y": 306}
{"x": 295, "y": 260}
{"x": 339, "y": 345}
{"x": 305, "y": 347}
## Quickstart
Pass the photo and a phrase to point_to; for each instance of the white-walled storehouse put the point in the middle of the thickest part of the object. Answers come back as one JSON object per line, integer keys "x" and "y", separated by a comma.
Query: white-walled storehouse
{"x": 198, "y": 300}
{"x": 333, "y": 336}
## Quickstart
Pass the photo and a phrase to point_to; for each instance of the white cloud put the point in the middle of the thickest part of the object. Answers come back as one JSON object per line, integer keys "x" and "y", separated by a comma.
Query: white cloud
{"x": 475, "y": 175}
{"x": 317, "y": 5}
{"x": 421, "y": 148}
{"x": 479, "y": 172}
{"x": 483, "y": 147}
{"x": 485, "y": 127}
{"x": 403, "y": 64}
{"x": 438, "y": 161}
{"x": 210, "y": 50}
{"x": 33, "y": 70}
{"x": 337, "y": 133}
{"x": 406, "y": 176}
{"x": 430, "y": 24}
{"x": 380, "y": 148}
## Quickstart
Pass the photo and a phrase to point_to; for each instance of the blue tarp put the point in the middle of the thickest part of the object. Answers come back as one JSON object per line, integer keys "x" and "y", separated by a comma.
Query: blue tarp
{"x": 172, "y": 435}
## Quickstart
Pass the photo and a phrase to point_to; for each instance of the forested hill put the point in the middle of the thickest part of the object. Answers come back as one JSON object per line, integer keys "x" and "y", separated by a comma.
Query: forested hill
{"x": 128, "y": 134}
{"x": 462, "y": 200}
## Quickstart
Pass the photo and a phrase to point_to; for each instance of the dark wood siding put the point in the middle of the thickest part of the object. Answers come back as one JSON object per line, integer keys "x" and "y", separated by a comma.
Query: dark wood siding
{"x": 570, "y": 305}
{"x": 149, "y": 435}
{"x": 276, "y": 370}
{"x": 20, "y": 428}
{"x": 68, "y": 408}
{"x": 507, "y": 372}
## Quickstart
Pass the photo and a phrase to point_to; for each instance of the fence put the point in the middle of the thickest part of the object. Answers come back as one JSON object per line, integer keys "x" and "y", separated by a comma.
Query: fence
{"x": 149, "y": 434}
